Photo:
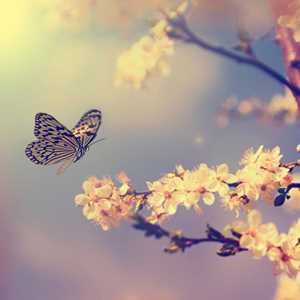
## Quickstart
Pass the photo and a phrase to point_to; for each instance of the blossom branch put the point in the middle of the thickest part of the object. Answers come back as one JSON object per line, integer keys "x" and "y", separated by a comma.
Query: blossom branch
{"x": 178, "y": 242}
{"x": 262, "y": 176}
{"x": 181, "y": 31}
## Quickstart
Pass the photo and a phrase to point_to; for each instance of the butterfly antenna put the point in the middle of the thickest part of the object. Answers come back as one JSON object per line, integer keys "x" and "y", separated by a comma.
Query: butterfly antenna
{"x": 100, "y": 140}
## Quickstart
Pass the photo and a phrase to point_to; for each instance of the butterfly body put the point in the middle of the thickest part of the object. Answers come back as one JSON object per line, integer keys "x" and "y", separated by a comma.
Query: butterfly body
{"x": 55, "y": 143}
{"x": 80, "y": 152}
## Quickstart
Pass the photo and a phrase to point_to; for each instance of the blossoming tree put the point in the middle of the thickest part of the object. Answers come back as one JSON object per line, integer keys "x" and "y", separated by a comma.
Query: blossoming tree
{"x": 262, "y": 175}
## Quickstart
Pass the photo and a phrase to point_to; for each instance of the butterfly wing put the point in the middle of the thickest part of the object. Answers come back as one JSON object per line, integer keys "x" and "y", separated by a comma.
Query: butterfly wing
{"x": 55, "y": 143}
{"x": 48, "y": 128}
{"x": 87, "y": 127}
{"x": 44, "y": 152}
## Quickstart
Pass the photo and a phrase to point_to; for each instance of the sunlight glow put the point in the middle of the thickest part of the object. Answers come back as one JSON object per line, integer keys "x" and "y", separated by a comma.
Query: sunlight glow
{"x": 14, "y": 26}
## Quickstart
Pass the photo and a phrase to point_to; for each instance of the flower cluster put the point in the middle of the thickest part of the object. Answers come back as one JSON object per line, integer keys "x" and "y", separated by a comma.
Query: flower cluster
{"x": 104, "y": 203}
{"x": 149, "y": 55}
{"x": 260, "y": 176}
{"x": 281, "y": 109}
{"x": 292, "y": 19}
{"x": 185, "y": 188}
{"x": 264, "y": 239}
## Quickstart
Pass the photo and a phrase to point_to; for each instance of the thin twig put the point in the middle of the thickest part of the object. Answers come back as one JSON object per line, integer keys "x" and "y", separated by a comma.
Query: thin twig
{"x": 186, "y": 35}
{"x": 291, "y": 165}
{"x": 178, "y": 242}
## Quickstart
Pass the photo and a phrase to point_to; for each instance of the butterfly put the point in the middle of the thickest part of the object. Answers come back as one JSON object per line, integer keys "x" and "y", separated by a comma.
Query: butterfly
{"x": 55, "y": 143}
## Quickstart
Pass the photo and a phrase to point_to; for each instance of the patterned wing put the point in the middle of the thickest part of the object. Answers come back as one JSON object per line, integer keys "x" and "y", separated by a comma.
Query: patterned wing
{"x": 49, "y": 129}
{"x": 44, "y": 152}
{"x": 87, "y": 127}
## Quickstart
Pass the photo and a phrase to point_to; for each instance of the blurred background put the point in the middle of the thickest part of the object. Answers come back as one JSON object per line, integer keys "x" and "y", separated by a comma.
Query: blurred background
{"x": 59, "y": 57}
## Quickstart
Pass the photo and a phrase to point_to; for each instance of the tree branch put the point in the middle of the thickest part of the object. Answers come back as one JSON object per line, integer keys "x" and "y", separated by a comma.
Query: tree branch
{"x": 181, "y": 31}
{"x": 179, "y": 243}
